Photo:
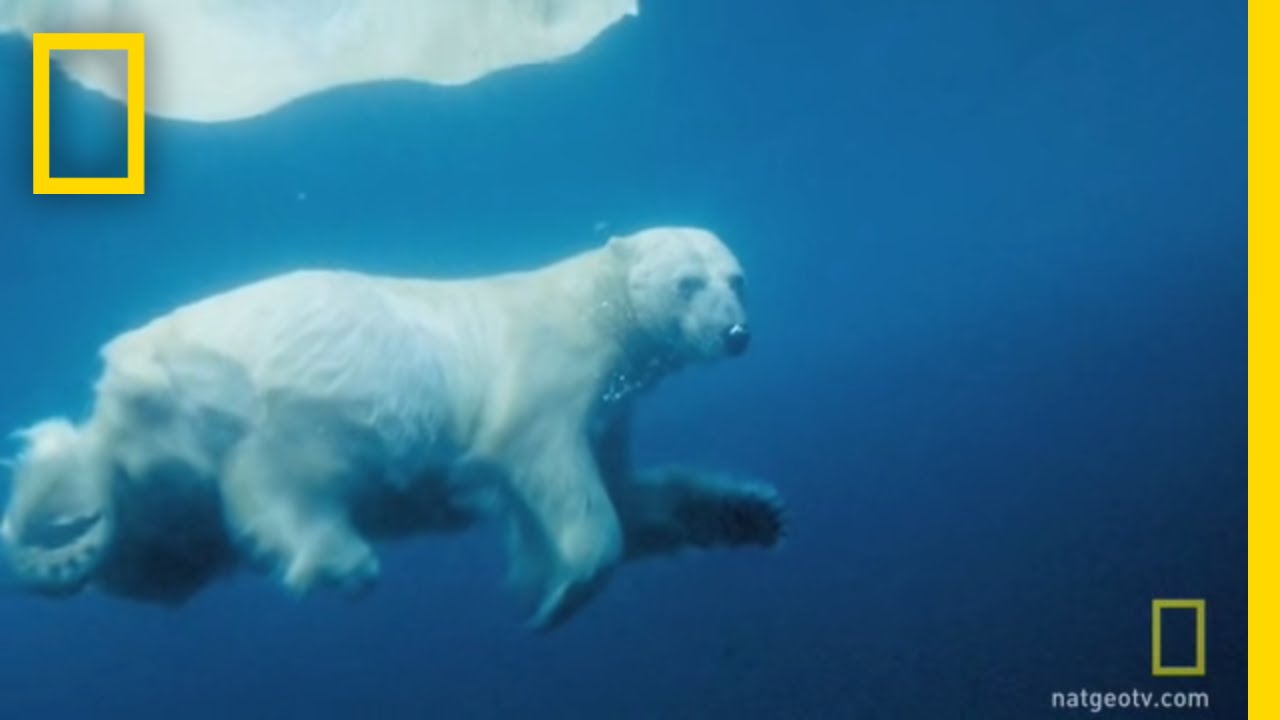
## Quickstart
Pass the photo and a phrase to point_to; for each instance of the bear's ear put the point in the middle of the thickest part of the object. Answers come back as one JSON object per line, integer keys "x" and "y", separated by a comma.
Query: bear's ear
{"x": 621, "y": 247}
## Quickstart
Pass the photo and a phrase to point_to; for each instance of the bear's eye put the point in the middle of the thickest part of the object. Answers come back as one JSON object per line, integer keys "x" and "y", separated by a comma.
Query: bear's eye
{"x": 737, "y": 283}
{"x": 689, "y": 285}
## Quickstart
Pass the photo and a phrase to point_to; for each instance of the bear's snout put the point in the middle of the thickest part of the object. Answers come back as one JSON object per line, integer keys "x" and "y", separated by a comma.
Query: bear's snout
{"x": 736, "y": 339}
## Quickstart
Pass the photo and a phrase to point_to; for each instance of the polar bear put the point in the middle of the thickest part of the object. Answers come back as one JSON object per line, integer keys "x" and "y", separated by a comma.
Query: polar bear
{"x": 290, "y": 423}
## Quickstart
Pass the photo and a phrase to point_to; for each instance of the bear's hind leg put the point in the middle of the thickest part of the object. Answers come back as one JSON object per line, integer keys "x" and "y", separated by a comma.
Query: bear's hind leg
{"x": 58, "y": 522}
{"x": 671, "y": 509}
{"x": 283, "y": 500}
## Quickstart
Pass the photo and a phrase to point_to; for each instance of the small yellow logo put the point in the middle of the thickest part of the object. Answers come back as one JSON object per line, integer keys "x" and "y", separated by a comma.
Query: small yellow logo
{"x": 135, "y": 108}
{"x": 1158, "y": 668}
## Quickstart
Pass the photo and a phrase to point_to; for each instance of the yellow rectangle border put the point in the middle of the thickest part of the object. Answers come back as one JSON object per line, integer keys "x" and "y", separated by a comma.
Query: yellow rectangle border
{"x": 1264, "y": 356}
{"x": 1158, "y": 668}
{"x": 42, "y": 45}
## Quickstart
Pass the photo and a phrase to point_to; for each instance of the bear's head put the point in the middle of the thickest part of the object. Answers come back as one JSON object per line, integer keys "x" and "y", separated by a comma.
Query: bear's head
{"x": 684, "y": 288}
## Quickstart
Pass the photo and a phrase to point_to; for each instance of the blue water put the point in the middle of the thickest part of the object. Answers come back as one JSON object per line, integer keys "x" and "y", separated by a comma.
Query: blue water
{"x": 997, "y": 257}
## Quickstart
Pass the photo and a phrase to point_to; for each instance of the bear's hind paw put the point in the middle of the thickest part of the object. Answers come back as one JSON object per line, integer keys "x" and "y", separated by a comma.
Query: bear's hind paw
{"x": 57, "y": 570}
{"x": 351, "y": 567}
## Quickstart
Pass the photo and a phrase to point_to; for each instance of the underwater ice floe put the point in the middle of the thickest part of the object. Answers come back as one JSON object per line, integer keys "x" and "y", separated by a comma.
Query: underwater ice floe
{"x": 216, "y": 60}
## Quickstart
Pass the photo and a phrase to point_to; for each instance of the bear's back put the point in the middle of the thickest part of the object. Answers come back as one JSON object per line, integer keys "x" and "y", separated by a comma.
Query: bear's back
{"x": 307, "y": 349}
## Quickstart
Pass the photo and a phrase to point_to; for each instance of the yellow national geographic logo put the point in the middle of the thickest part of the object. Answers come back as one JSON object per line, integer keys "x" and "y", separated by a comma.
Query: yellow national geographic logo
{"x": 42, "y": 45}
{"x": 1158, "y": 668}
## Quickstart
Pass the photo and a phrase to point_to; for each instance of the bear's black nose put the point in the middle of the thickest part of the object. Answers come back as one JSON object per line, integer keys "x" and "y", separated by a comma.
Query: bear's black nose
{"x": 736, "y": 339}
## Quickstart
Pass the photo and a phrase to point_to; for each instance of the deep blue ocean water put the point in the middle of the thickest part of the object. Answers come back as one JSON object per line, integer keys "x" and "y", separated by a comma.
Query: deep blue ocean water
{"x": 997, "y": 266}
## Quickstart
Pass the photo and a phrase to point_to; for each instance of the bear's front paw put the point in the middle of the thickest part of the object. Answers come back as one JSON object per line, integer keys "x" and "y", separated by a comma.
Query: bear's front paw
{"x": 740, "y": 513}
{"x": 561, "y": 602}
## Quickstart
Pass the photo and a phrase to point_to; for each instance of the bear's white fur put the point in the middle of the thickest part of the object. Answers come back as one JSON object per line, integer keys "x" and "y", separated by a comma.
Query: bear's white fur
{"x": 292, "y": 421}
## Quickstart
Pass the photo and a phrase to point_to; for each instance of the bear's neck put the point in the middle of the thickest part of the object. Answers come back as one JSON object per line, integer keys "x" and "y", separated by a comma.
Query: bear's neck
{"x": 630, "y": 360}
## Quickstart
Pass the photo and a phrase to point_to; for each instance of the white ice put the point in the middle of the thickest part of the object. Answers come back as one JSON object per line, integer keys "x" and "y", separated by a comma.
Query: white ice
{"x": 215, "y": 60}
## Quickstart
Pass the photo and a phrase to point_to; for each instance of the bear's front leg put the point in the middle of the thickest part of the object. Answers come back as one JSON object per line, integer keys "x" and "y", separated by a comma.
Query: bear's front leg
{"x": 567, "y": 537}
{"x": 283, "y": 499}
